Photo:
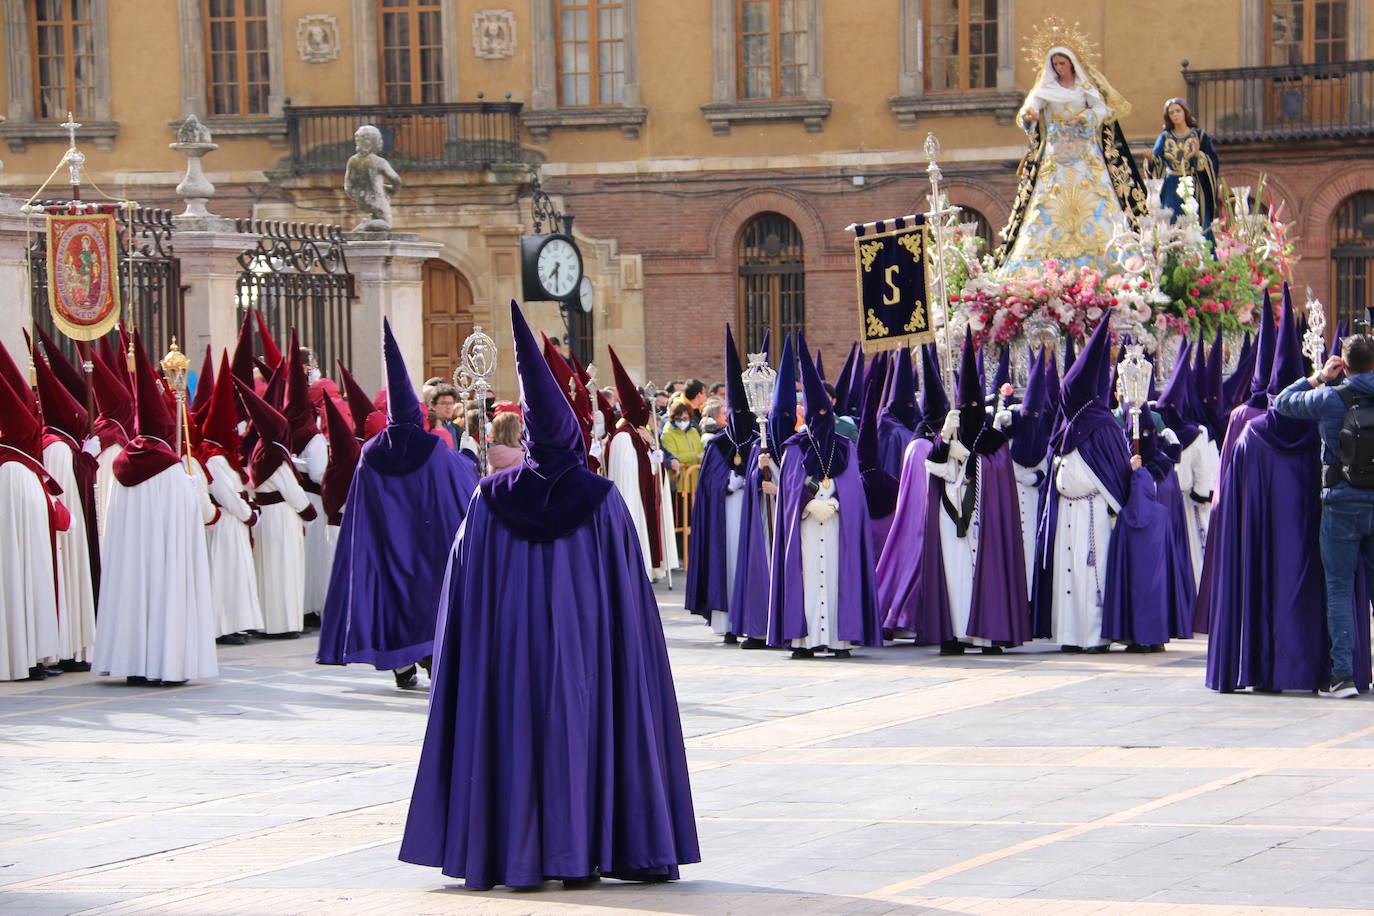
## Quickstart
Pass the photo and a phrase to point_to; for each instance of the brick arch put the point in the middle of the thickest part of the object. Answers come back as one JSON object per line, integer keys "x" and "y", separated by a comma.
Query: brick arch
{"x": 1322, "y": 206}
{"x": 981, "y": 197}
{"x": 725, "y": 230}
{"x": 1249, "y": 175}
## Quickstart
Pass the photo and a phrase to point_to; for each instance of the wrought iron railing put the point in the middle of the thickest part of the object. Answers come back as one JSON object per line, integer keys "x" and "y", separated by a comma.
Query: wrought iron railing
{"x": 152, "y": 300}
{"x": 296, "y": 275}
{"x": 1284, "y": 103}
{"x": 457, "y": 135}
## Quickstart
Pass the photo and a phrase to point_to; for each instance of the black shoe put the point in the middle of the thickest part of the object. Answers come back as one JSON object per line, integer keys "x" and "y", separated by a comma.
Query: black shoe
{"x": 1072, "y": 650}
{"x": 992, "y": 650}
{"x": 803, "y": 653}
{"x": 952, "y": 647}
{"x": 1136, "y": 648}
{"x": 753, "y": 642}
{"x": 1156, "y": 648}
{"x": 135, "y": 680}
{"x": 37, "y": 673}
{"x": 731, "y": 639}
{"x": 71, "y": 664}
{"x": 232, "y": 639}
{"x": 577, "y": 884}
{"x": 406, "y": 678}
{"x": 427, "y": 663}
{"x": 52, "y": 670}
{"x": 293, "y": 634}
{"x": 1099, "y": 650}
{"x": 171, "y": 683}
{"x": 840, "y": 653}
{"x": 312, "y": 621}
{"x": 1339, "y": 689}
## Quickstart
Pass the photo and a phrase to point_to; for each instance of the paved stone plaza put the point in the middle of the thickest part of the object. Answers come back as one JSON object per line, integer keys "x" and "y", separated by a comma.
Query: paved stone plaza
{"x": 899, "y": 782}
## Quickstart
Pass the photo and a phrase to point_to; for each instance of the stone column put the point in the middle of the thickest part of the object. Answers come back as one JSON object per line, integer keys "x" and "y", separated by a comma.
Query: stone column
{"x": 386, "y": 269}
{"x": 209, "y": 248}
{"x": 14, "y": 279}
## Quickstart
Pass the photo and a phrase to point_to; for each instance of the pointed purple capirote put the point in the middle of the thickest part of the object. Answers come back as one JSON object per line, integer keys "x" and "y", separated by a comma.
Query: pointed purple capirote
{"x": 1030, "y": 429}
{"x": 551, "y": 751}
{"x": 844, "y": 380}
{"x": 934, "y": 400}
{"x": 782, "y": 418}
{"x": 855, "y": 399}
{"x": 901, "y": 405}
{"x": 973, "y": 414}
{"x": 1052, "y": 388}
{"x": 1002, "y": 375}
{"x": 880, "y": 487}
{"x": 1173, "y": 401}
{"x": 740, "y": 423}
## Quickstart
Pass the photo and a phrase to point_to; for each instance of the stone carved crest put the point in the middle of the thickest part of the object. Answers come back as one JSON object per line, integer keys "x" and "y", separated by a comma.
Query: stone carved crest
{"x": 493, "y": 34}
{"x": 317, "y": 38}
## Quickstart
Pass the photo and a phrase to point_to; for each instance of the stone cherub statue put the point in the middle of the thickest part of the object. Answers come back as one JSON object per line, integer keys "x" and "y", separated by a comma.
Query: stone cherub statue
{"x": 370, "y": 181}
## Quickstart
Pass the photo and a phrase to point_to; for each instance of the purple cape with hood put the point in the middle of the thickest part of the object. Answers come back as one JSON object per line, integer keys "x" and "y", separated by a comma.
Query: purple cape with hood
{"x": 554, "y": 747}
{"x": 880, "y": 487}
{"x": 708, "y": 585}
{"x": 1088, "y": 427}
{"x": 811, "y": 454}
{"x": 404, "y": 506}
{"x": 998, "y": 608}
{"x": 901, "y": 416}
{"x": 1268, "y": 596}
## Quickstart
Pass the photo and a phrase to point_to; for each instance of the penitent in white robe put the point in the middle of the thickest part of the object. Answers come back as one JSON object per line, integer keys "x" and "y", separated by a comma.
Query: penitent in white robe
{"x": 231, "y": 553}
{"x": 319, "y": 544}
{"x": 669, "y": 536}
{"x": 1028, "y": 502}
{"x": 75, "y": 593}
{"x": 156, "y": 617}
{"x": 734, "y": 504}
{"x": 959, "y": 554}
{"x": 104, "y": 486}
{"x": 28, "y": 594}
{"x": 1197, "y": 478}
{"x": 624, "y": 473}
{"x": 820, "y": 544}
{"x": 1081, "y": 540}
{"x": 279, "y": 554}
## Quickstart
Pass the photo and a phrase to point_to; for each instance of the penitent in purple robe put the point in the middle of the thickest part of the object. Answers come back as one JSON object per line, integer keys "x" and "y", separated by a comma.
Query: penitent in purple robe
{"x": 554, "y": 747}
{"x": 899, "y": 566}
{"x": 404, "y": 506}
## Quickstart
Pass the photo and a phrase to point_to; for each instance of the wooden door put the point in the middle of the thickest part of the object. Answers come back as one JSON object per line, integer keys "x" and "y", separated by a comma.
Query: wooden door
{"x": 447, "y": 317}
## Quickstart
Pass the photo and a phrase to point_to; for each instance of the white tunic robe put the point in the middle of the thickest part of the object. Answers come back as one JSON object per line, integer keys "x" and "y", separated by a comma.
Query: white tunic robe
{"x": 1081, "y": 539}
{"x": 75, "y": 593}
{"x": 820, "y": 544}
{"x": 1197, "y": 476}
{"x": 734, "y": 503}
{"x": 28, "y": 594}
{"x": 319, "y": 544}
{"x": 279, "y": 554}
{"x": 1028, "y": 502}
{"x": 624, "y": 473}
{"x": 156, "y": 617}
{"x": 231, "y": 554}
{"x": 104, "y": 486}
{"x": 959, "y": 554}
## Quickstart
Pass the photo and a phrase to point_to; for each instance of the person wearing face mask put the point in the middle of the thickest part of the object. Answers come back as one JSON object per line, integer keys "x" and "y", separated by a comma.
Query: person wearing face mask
{"x": 682, "y": 440}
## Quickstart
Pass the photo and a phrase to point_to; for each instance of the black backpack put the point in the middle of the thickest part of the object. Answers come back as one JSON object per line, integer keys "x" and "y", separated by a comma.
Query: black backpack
{"x": 1357, "y": 438}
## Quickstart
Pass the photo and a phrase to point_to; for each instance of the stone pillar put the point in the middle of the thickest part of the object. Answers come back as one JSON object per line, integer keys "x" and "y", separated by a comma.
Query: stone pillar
{"x": 14, "y": 279}
{"x": 386, "y": 269}
{"x": 209, "y": 248}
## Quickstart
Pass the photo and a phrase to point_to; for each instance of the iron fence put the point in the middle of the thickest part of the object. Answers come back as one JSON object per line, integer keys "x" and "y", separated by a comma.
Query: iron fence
{"x": 455, "y": 135}
{"x": 296, "y": 275}
{"x": 1284, "y": 103}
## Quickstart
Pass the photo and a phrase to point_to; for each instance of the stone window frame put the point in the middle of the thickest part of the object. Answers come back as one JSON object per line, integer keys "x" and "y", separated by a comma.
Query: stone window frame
{"x": 544, "y": 114}
{"x": 21, "y": 126}
{"x": 727, "y": 108}
{"x": 195, "y": 61}
{"x": 366, "y": 65}
{"x": 1254, "y": 31}
{"x": 913, "y": 101}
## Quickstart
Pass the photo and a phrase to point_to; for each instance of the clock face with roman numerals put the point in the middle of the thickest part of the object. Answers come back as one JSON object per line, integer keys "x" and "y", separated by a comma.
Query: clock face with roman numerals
{"x": 559, "y": 266}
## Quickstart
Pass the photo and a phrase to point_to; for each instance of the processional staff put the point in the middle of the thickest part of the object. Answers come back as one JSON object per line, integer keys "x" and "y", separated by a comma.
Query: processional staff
{"x": 1133, "y": 386}
{"x": 935, "y": 218}
{"x": 472, "y": 378}
{"x": 760, "y": 379}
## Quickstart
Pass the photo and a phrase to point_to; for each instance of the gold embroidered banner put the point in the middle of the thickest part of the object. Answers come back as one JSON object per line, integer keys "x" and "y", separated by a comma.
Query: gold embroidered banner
{"x": 83, "y": 274}
{"x": 890, "y": 272}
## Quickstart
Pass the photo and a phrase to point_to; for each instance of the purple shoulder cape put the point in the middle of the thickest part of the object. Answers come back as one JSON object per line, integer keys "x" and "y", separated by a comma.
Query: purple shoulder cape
{"x": 554, "y": 745}
{"x": 384, "y": 586}
{"x": 706, "y": 584}
{"x": 857, "y": 617}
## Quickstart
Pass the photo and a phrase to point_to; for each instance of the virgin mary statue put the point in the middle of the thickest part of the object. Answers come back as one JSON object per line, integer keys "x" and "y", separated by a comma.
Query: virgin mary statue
{"x": 1077, "y": 177}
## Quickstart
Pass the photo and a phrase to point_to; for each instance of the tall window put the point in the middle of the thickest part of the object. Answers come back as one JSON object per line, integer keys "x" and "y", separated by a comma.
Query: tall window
{"x": 1308, "y": 31}
{"x": 772, "y": 279}
{"x": 412, "y": 48}
{"x": 236, "y": 39}
{"x": 773, "y": 48}
{"x": 63, "y": 40}
{"x": 591, "y": 52}
{"x": 1352, "y": 256}
{"x": 961, "y": 45}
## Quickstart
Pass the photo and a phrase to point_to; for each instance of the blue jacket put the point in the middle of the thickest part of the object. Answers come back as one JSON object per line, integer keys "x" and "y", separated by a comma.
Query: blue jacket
{"x": 1324, "y": 405}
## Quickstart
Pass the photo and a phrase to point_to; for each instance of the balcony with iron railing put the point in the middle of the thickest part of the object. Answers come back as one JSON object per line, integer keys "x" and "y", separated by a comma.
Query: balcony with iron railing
{"x": 1302, "y": 102}
{"x": 454, "y": 136}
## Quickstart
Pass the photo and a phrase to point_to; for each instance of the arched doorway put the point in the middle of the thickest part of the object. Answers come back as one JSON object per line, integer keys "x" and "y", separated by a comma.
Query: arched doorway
{"x": 772, "y": 280}
{"x": 1352, "y": 257}
{"x": 447, "y": 316}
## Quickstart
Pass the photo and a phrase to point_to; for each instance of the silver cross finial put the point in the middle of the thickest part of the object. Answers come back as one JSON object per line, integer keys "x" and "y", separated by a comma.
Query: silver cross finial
{"x": 71, "y": 127}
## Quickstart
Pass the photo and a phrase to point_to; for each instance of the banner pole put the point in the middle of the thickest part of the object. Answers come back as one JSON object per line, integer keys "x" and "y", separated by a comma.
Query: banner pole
{"x": 936, "y": 216}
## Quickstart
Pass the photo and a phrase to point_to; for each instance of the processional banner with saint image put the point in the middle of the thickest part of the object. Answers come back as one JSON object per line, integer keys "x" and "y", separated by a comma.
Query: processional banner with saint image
{"x": 83, "y": 273}
{"x": 890, "y": 272}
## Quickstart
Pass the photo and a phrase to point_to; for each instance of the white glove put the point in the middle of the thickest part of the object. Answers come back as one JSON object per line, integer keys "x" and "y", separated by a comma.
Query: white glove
{"x": 1002, "y": 419}
{"x": 1169, "y": 436}
{"x": 92, "y": 447}
{"x": 598, "y": 425}
{"x": 656, "y": 459}
{"x": 1024, "y": 476}
{"x": 951, "y": 427}
{"x": 595, "y": 450}
{"x": 957, "y": 451}
{"x": 735, "y": 483}
{"x": 821, "y": 510}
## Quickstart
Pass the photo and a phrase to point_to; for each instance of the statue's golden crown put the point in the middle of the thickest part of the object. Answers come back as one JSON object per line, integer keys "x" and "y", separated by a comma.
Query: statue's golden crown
{"x": 1053, "y": 33}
